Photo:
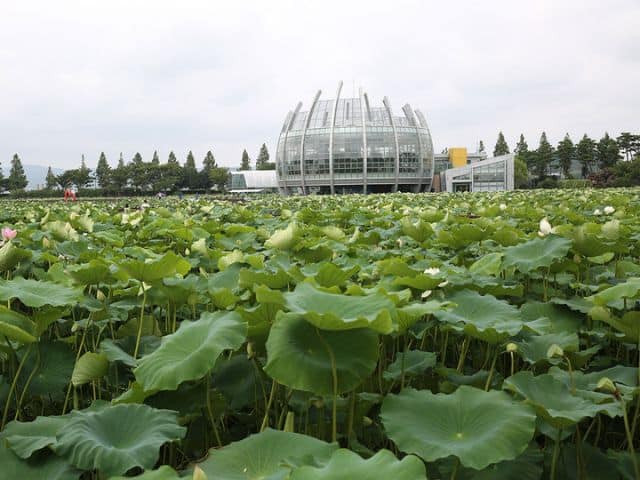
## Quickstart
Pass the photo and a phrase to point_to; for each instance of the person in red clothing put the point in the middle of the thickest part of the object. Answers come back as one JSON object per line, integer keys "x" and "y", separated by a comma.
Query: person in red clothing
{"x": 69, "y": 195}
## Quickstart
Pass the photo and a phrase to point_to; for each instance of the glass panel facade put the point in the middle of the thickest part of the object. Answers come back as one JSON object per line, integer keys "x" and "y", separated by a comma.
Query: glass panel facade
{"x": 409, "y": 150}
{"x": 381, "y": 152}
{"x": 489, "y": 177}
{"x": 316, "y": 153}
{"x": 347, "y": 152}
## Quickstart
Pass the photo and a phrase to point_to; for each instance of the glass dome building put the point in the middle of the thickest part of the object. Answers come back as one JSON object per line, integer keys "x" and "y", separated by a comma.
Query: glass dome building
{"x": 345, "y": 145}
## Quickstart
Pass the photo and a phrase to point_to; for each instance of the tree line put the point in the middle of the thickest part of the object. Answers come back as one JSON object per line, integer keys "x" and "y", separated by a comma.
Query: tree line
{"x": 138, "y": 175}
{"x": 617, "y": 160}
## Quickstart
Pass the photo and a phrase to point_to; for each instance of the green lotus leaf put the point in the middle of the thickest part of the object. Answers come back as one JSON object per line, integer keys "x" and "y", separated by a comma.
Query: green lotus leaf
{"x": 346, "y": 464}
{"x": 329, "y": 275}
{"x": 90, "y": 366}
{"x": 528, "y": 466}
{"x": 422, "y": 281}
{"x": 10, "y": 256}
{"x": 612, "y": 295}
{"x": 334, "y": 233}
{"x": 546, "y": 318}
{"x": 61, "y": 231}
{"x": 162, "y": 473}
{"x": 536, "y": 253}
{"x": 38, "y": 293}
{"x": 154, "y": 270}
{"x": 330, "y": 311}
{"x": 534, "y": 349}
{"x": 192, "y": 351}
{"x": 44, "y": 466}
{"x": 482, "y": 316}
{"x": 277, "y": 279}
{"x": 115, "y": 354}
{"x": 284, "y": 239}
{"x": 53, "y": 364}
{"x": 552, "y": 399}
{"x": 415, "y": 363}
{"x": 487, "y": 265}
{"x": 92, "y": 273}
{"x": 26, "y": 438}
{"x": 117, "y": 438}
{"x": 478, "y": 427}
{"x": 238, "y": 380}
{"x": 265, "y": 456}
{"x": 300, "y": 355}
{"x": 419, "y": 230}
{"x": 628, "y": 324}
{"x": 16, "y": 326}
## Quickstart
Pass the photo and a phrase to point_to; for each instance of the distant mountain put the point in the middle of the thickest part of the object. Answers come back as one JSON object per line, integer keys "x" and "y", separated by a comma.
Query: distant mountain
{"x": 37, "y": 175}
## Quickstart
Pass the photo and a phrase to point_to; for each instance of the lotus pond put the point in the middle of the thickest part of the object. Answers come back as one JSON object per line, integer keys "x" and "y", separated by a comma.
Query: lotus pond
{"x": 469, "y": 336}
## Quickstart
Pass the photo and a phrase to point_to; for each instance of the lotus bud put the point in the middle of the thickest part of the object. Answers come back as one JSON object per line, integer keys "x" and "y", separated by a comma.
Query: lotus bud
{"x": 187, "y": 252}
{"x": 555, "y": 350}
{"x": 597, "y": 211}
{"x": 443, "y": 284}
{"x": 100, "y": 296}
{"x": 45, "y": 242}
{"x": 432, "y": 271}
{"x": 400, "y": 242}
{"x": 606, "y": 385}
{"x": 503, "y": 207}
{"x": 609, "y": 209}
{"x": 318, "y": 403}
{"x": 545, "y": 227}
{"x": 367, "y": 422}
{"x": 198, "y": 474}
{"x": 8, "y": 234}
{"x": 577, "y": 258}
{"x": 425, "y": 294}
{"x": 512, "y": 347}
{"x": 250, "y": 351}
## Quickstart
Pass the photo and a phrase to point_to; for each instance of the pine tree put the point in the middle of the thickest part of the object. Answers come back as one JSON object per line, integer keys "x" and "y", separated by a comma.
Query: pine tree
{"x": 17, "y": 179}
{"x": 1, "y": 178}
{"x": 172, "y": 157}
{"x": 246, "y": 161}
{"x": 190, "y": 172}
{"x": 120, "y": 175}
{"x": 103, "y": 171}
{"x": 52, "y": 181}
{"x": 209, "y": 161}
{"x": 625, "y": 141}
{"x": 522, "y": 151}
{"x": 543, "y": 156}
{"x": 501, "y": 146}
{"x": 155, "y": 160}
{"x": 608, "y": 152}
{"x": 262, "y": 162}
{"x": 586, "y": 154}
{"x": 219, "y": 177}
{"x": 481, "y": 148}
{"x": 566, "y": 154}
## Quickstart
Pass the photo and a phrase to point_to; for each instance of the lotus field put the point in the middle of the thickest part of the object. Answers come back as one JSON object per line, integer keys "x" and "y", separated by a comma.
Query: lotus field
{"x": 469, "y": 336}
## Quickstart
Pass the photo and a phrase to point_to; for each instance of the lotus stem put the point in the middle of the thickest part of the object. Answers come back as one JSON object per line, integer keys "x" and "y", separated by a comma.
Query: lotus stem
{"x": 265, "y": 420}
{"x": 144, "y": 301}
{"x": 454, "y": 472}
{"x": 463, "y": 354}
{"x": 352, "y": 406}
{"x": 556, "y": 454}
{"x": 334, "y": 375}
{"x": 210, "y": 411}
{"x": 627, "y": 430}
{"x": 493, "y": 366}
{"x": 13, "y": 387}
{"x": 26, "y": 385}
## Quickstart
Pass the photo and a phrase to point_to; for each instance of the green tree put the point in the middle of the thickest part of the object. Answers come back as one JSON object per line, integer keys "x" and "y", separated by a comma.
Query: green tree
{"x": 481, "y": 148}
{"x": 51, "y": 180}
{"x": 190, "y": 178}
{"x": 120, "y": 175}
{"x": 607, "y": 152}
{"x": 17, "y": 179}
{"x": 208, "y": 163}
{"x": 139, "y": 173}
{"x": 155, "y": 160}
{"x": 586, "y": 155}
{"x": 543, "y": 157}
{"x": 501, "y": 146}
{"x": 520, "y": 173}
{"x": 103, "y": 171}
{"x": 262, "y": 162}
{"x": 82, "y": 176}
{"x": 566, "y": 154}
{"x": 522, "y": 152}
{"x": 67, "y": 178}
{"x": 628, "y": 144}
{"x": 2, "y": 177}
{"x": 219, "y": 177}
{"x": 172, "y": 157}
{"x": 246, "y": 161}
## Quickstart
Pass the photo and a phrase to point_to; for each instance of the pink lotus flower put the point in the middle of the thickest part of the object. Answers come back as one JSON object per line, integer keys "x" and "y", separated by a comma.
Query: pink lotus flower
{"x": 8, "y": 234}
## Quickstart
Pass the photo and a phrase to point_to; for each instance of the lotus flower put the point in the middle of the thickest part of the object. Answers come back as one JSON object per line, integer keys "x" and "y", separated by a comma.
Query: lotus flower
{"x": 597, "y": 211}
{"x": 545, "y": 227}
{"x": 432, "y": 271}
{"x": 8, "y": 234}
{"x": 609, "y": 209}
{"x": 503, "y": 207}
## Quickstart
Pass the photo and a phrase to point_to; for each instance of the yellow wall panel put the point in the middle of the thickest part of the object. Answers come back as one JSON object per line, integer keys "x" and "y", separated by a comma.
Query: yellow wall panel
{"x": 458, "y": 156}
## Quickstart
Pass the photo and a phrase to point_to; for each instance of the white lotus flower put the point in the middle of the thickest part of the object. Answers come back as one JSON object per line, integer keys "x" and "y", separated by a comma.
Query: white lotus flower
{"x": 597, "y": 211}
{"x": 426, "y": 293}
{"x": 433, "y": 271}
{"x": 503, "y": 207}
{"x": 545, "y": 227}
{"x": 443, "y": 284}
{"x": 609, "y": 209}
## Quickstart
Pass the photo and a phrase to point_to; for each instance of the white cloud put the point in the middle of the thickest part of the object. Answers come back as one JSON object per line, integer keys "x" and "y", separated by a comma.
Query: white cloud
{"x": 82, "y": 77}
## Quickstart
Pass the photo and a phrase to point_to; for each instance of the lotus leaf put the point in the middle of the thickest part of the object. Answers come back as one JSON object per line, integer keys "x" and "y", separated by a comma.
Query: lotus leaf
{"x": 191, "y": 352}
{"x": 415, "y": 363}
{"x": 536, "y": 253}
{"x": 90, "y": 366}
{"x": 330, "y": 311}
{"x": 346, "y": 464}
{"x": 155, "y": 270}
{"x": 26, "y": 438}
{"x": 480, "y": 428}
{"x": 38, "y": 293}
{"x": 10, "y": 256}
{"x": 482, "y": 316}
{"x": 16, "y": 327}
{"x": 300, "y": 355}
{"x": 265, "y": 455}
{"x": 47, "y": 467}
{"x": 117, "y": 438}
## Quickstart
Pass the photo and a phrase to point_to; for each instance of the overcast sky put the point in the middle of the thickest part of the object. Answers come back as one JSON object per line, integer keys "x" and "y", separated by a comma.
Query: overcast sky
{"x": 128, "y": 76}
